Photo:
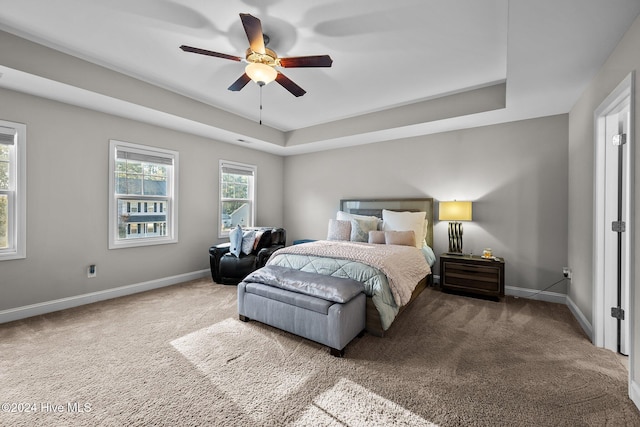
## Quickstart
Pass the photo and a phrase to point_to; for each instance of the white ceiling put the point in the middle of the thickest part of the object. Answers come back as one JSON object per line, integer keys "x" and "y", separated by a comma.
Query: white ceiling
{"x": 388, "y": 57}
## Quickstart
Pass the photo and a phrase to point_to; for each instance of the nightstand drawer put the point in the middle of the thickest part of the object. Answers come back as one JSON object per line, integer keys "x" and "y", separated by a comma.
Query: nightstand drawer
{"x": 472, "y": 277}
{"x": 472, "y": 274}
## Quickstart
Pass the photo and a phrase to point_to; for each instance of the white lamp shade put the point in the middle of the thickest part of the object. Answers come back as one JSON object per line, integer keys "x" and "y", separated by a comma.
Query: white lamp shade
{"x": 455, "y": 211}
{"x": 261, "y": 73}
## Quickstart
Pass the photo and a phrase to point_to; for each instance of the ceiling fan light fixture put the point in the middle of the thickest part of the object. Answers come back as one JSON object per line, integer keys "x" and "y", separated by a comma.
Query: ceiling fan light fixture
{"x": 262, "y": 61}
{"x": 261, "y": 73}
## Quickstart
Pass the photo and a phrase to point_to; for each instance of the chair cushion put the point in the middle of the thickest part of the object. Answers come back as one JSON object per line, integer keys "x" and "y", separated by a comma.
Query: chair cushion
{"x": 236, "y": 267}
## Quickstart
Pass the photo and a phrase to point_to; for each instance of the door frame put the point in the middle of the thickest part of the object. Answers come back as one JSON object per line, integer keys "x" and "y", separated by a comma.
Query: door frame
{"x": 624, "y": 90}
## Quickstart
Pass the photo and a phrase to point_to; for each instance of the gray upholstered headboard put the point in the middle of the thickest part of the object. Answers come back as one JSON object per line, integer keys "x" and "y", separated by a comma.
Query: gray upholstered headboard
{"x": 374, "y": 207}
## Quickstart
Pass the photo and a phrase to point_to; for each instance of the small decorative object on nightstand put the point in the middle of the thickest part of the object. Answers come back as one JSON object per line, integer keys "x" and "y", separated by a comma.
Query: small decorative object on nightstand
{"x": 472, "y": 274}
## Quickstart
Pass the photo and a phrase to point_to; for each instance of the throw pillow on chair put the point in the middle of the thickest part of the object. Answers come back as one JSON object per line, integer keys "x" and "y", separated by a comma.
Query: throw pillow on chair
{"x": 246, "y": 251}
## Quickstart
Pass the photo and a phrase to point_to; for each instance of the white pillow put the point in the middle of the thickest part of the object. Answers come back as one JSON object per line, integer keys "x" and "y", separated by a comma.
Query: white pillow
{"x": 345, "y": 216}
{"x": 406, "y": 221}
{"x": 424, "y": 232}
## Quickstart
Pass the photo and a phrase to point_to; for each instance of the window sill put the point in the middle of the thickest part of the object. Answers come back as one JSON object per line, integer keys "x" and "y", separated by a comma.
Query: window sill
{"x": 134, "y": 243}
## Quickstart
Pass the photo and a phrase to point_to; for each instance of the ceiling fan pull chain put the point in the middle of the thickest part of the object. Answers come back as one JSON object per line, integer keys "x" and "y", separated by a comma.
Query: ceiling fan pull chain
{"x": 261, "y": 103}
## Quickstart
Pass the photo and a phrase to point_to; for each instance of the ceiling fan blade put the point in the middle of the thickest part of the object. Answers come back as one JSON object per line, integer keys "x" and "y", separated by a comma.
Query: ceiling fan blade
{"x": 240, "y": 83}
{"x": 307, "y": 61}
{"x": 209, "y": 53}
{"x": 253, "y": 28}
{"x": 289, "y": 85}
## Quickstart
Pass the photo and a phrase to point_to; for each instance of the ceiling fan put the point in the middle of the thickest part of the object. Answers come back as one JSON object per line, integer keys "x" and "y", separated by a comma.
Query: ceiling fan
{"x": 262, "y": 62}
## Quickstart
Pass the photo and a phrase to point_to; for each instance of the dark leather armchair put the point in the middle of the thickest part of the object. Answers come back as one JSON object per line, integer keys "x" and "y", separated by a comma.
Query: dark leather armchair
{"x": 228, "y": 269}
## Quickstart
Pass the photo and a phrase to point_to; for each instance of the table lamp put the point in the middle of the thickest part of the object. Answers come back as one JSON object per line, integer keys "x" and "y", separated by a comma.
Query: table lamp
{"x": 454, "y": 212}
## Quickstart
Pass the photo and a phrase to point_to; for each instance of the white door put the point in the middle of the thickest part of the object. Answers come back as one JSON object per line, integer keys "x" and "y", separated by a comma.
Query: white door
{"x": 613, "y": 207}
{"x": 616, "y": 261}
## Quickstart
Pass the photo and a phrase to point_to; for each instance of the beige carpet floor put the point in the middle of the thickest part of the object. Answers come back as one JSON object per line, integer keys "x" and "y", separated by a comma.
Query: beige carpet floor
{"x": 178, "y": 356}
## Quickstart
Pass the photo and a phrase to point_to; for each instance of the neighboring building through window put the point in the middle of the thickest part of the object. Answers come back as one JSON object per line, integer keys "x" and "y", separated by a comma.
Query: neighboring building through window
{"x": 143, "y": 188}
{"x": 237, "y": 196}
{"x": 13, "y": 197}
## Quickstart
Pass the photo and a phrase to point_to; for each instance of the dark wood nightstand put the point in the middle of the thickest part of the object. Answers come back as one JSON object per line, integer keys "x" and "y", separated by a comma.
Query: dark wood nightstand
{"x": 472, "y": 274}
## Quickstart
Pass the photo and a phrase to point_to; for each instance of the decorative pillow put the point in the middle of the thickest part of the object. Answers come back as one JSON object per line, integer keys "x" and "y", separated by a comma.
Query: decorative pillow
{"x": 235, "y": 240}
{"x": 404, "y": 238}
{"x": 256, "y": 242}
{"x": 339, "y": 230}
{"x": 429, "y": 255}
{"x": 360, "y": 225}
{"x": 360, "y": 229}
{"x": 376, "y": 236}
{"x": 405, "y": 221}
{"x": 248, "y": 239}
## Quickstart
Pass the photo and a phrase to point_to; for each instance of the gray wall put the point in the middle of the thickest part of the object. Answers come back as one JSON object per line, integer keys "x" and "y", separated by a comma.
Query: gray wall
{"x": 621, "y": 62}
{"x": 515, "y": 174}
{"x": 67, "y": 197}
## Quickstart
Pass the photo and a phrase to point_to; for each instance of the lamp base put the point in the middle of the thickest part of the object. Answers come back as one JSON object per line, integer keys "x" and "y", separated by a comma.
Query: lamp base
{"x": 455, "y": 237}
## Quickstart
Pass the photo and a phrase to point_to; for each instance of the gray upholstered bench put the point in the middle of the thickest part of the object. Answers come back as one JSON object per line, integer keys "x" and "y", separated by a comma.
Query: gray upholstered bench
{"x": 328, "y": 310}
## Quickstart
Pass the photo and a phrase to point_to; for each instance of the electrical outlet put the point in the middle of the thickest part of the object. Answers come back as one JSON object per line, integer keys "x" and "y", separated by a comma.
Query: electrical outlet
{"x": 566, "y": 272}
{"x": 92, "y": 271}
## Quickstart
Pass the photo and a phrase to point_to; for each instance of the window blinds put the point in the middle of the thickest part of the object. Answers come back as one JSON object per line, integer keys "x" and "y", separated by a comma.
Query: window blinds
{"x": 142, "y": 157}
{"x": 235, "y": 169}
{"x": 7, "y": 135}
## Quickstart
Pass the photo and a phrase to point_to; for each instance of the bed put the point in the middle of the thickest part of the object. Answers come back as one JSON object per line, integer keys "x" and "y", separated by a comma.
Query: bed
{"x": 388, "y": 291}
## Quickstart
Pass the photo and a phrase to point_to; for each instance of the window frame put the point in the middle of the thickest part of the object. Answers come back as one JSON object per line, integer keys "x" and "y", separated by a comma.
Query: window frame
{"x": 172, "y": 195}
{"x": 252, "y": 192}
{"x": 16, "y": 194}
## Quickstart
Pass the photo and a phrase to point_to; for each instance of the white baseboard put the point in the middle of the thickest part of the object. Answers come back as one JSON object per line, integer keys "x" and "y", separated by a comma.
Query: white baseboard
{"x": 528, "y": 293}
{"x": 557, "y": 298}
{"x": 18, "y": 313}
{"x": 549, "y": 297}
{"x": 535, "y": 294}
{"x": 580, "y": 317}
{"x": 634, "y": 393}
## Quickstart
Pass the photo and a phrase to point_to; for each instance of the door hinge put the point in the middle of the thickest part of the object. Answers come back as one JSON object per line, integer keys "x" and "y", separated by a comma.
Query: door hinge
{"x": 620, "y": 139}
{"x": 617, "y": 313}
{"x": 618, "y": 226}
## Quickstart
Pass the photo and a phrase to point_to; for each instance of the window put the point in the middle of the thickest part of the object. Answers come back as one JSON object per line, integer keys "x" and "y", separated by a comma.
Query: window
{"x": 237, "y": 196}
{"x": 13, "y": 198}
{"x": 143, "y": 188}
